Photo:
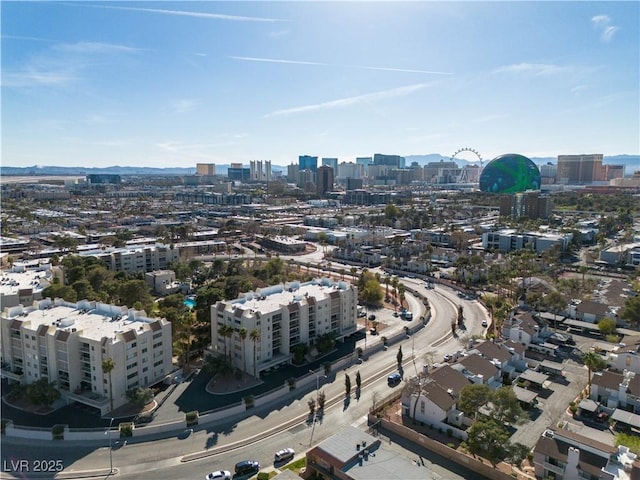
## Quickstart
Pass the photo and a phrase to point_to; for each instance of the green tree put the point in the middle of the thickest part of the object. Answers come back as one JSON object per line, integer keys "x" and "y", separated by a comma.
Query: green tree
{"x": 505, "y": 407}
{"x": 347, "y": 384}
{"x": 593, "y": 362}
{"x": 140, "y": 396}
{"x": 399, "y": 356}
{"x": 321, "y": 400}
{"x": 41, "y": 392}
{"x": 254, "y": 336}
{"x": 607, "y": 326}
{"x": 472, "y": 397}
{"x": 242, "y": 333}
{"x": 358, "y": 380}
{"x": 631, "y": 310}
{"x": 107, "y": 367}
{"x": 488, "y": 438}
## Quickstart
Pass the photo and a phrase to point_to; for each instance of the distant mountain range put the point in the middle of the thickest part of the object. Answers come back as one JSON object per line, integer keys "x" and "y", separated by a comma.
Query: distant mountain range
{"x": 631, "y": 163}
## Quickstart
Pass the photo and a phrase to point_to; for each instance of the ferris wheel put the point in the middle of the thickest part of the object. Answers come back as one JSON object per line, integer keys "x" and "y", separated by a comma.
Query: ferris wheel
{"x": 464, "y": 178}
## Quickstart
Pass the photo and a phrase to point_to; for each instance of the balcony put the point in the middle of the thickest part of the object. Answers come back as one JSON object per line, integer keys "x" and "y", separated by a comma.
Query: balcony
{"x": 553, "y": 468}
{"x": 17, "y": 374}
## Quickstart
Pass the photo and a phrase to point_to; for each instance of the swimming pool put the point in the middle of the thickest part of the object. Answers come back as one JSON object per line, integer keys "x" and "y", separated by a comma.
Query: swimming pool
{"x": 190, "y": 302}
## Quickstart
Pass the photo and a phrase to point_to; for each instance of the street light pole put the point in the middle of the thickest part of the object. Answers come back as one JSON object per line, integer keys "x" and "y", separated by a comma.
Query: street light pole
{"x": 108, "y": 432}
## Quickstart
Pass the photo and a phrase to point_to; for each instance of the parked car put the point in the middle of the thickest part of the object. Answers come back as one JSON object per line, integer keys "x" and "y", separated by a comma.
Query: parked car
{"x": 448, "y": 357}
{"x": 284, "y": 454}
{"x": 219, "y": 475}
{"x": 247, "y": 466}
{"x": 484, "y": 323}
{"x": 372, "y": 317}
{"x": 394, "y": 379}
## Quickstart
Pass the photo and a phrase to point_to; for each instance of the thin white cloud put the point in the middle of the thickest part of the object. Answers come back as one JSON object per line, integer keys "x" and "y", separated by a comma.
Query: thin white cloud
{"x": 602, "y": 23}
{"x": 350, "y": 101}
{"x": 183, "y": 105}
{"x": 184, "y": 13}
{"x": 536, "y": 69}
{"x": 321, "y": 64}
{"x": 92, "y": 48}
{"x": 61, "y": 64}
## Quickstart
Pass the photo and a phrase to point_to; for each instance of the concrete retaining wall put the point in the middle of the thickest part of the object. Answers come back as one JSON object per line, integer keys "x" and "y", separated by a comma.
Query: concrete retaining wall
{"x": 151, "y": 429}
{"x": 86, "y": 434}
{"x": 211, "y": 417}
{"x": 31, "y": 433}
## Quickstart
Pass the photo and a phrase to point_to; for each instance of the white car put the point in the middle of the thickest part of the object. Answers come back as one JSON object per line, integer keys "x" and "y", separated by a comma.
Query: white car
{"x": 219, "y": 475}
{"x": 284, "y": 454}
{"x": 484, "y": 323}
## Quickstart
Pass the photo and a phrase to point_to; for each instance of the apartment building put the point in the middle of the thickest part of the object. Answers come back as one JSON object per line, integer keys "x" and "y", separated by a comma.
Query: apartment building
{"x": 24, "y": 283}
{"x": 561, "y": 453}
{"x": 67, "y": 342}
{"x": 146, "y": 258}
{"x": 280, "y": 317}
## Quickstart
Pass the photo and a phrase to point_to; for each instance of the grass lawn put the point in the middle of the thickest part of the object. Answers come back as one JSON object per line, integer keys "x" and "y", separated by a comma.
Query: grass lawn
{"x": 628, "y": 440}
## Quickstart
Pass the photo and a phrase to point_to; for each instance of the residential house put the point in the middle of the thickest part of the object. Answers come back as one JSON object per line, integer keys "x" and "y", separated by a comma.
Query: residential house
{"x": 627, "y": 355}
{"x": 618, "y": 391}
{"x": 479, "y": 370}
{"x": 564, "y": 454}
{"x": 524, "y": 328}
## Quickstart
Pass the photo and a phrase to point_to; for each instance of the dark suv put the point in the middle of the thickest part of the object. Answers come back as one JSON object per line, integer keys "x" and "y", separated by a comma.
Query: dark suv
{"x": 247, "y": 466}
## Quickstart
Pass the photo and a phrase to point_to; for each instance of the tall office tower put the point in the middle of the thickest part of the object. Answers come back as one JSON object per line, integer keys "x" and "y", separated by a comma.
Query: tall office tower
{"x": 365, "y": 162}
{"x": 208, "y": 169}
{"x": 548, "y": 173}
{"x": 580, "y": 168}
{"x": 395, "y": 161}
{"x": 237, "y": 172}
{"x": 612, "y": 171}
{"x": 307, "y": 162}
{"x": 350, "y": 170}
{"x": 324, "y": 183}
{"x": 331, "y": 162}
{"x": 307, "y": 180}
{"x": 267, "y": 170}
{"x": 293, "y": 172}
{"x": 255, "y": 169}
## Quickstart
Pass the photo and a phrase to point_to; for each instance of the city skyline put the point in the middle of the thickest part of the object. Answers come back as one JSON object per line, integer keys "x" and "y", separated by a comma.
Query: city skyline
{"x": 172, "y": 84}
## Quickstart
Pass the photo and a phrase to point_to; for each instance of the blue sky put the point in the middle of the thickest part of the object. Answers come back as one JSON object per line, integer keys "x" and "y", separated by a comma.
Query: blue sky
{"x": 172, "y": 84}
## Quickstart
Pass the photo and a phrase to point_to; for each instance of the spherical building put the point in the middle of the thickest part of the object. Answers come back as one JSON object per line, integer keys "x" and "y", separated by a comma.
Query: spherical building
{"x": 510, "y": 173}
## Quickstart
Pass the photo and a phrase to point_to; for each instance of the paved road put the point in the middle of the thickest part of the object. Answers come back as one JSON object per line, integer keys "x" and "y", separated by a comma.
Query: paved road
{"x": 160, "y": 458}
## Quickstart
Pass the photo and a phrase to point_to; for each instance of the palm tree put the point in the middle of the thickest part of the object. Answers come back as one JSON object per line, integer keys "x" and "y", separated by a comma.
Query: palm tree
{"x": 387, "y": 281}
{"x": 401, "y": 293}
{"x": 254, "y": 336}
{"x": 225, "y": 331}
{"x": 228, "y": 333}
{"x": 107, "y": 367}
{"x": 242, "y": 333}
{"x": 593, "y": 362}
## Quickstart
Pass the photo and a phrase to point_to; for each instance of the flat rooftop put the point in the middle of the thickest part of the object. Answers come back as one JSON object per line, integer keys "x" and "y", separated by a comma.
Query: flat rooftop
{"x": 272, "y": 298}
{"x": 94, "y": 324}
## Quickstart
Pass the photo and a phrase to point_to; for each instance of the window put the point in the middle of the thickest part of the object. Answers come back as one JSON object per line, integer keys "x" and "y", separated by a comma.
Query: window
{"x": 159, "y": 362}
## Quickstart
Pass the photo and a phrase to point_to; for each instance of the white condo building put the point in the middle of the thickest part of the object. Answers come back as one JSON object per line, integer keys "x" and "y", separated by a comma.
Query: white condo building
{"x": 66, "y": 342}
{"x": 284, "y": 316}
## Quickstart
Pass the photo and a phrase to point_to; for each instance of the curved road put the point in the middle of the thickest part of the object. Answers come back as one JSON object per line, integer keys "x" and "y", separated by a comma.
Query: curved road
{"x": 258, "y": 436}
